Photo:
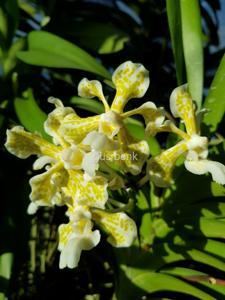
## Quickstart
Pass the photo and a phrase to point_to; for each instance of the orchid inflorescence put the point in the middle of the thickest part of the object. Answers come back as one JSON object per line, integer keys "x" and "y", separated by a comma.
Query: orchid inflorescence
{"x": 77, "y": 175}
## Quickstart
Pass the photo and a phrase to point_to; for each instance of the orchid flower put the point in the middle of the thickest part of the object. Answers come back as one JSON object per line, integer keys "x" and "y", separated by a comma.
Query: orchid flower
{"x": 60, "y": 159}
{"x": 78, "y": 235}
{"x": 192, "y": 145}
{"x": 131, "y": 81}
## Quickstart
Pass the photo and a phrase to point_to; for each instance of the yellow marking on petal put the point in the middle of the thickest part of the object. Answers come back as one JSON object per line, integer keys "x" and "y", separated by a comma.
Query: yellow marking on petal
{"x": 23, "y": 144}
{"x": 46, "y": 187}
{"x": 131, "y": 159}
{"x": 92, "y": 88}
{"x": 74, "y": 129}
{"x": 121, "y": 228}
{"x": 54, "y": 120}
{"x": 65, "y": 231}
{"x": 91, "y": 193}
{"x": 161, "y": 166}
{"x": 181, "y": 105}
{"x": 131, "y": 81}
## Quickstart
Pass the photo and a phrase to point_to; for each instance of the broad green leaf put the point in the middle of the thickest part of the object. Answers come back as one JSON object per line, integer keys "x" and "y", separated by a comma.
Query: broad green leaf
{"x": 212, "y": 228}
{"x": 212, "y": 247}
{"x": 49, "y": 50}
{"x": 214, "y": 102}
{"x": 88, "y": 104}
{"x": 154, "y": 282}
{"x": 174, "y": 20}
{"x": 29, "y": 113}
{"x": 178, "y": 251}
{"x": 193, "y": 47}
{"x": 195, "y": 276}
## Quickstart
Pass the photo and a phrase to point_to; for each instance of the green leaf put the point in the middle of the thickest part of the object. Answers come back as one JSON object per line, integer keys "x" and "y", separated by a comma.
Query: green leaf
{"x": 10, "y": 59}
{"x": 145, "y": 228}
{"x": 102, "y": 38}
{"x": 154, "y": 282}
{"x": 211, "y": 227}
{"x": 49, "y": 50}
{"x": 29, "y": 113}
{"x": 174, "y": 20}
{"x": 88, "y": 104}
{"x": 195, "y": 276}
{"x": 193, "y": 48}
{"x": 214, "y": 102}
{"x": 136, "y": 129}
{"x": 6, "y": 261}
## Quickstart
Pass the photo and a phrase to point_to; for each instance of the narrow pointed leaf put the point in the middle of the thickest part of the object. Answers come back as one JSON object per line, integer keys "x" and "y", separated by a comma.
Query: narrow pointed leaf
{"x": 193, "y": 48}
{"x": 174, "y": 20}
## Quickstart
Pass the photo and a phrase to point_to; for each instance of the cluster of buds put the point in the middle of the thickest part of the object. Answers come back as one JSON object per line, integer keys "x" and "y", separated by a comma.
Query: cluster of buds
{"x": 78, "y": 162}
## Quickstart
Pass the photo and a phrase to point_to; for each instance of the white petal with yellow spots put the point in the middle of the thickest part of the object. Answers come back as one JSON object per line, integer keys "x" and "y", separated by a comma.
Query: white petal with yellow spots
{"x": 121, "y": 229}
{"x": 161, "y": 166}
{"x": 131, "y": 81}
{"x": 75, "y": 237}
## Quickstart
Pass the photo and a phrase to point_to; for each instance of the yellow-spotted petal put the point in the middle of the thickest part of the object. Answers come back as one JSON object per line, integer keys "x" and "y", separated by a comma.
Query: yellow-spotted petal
{"x": 161, "y": 166}
{"x": 46, "y": 187}
{"x": 181, "y": 105}
{"x": 54, "y": 120}
{"x": 110, "y": 124}
{"x": 75, "y": 237}
{"x": 92, "y": 88}
{"x": 72, "y": 157}
{"x": 131, "y": 81}
{"x": 74, "y": 129}
{"x": 91, "y": 193}
{"x": 121, "y": 228}
{"x": 23, "y": 144}
{"x": 138, "y": 154}
{"x": 130, "y": 159}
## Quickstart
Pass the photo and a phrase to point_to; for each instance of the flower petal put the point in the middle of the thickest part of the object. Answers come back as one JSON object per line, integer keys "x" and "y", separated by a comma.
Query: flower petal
{"x": 91, "y": 193}
{"x": 181, "y": 105}
{"x": 121, "y": 228}
{"x": 72, "y": 158}
{"x": 204, "y": 166}
{"x": 46, "y": 187}
{"x": 92, "y": 88}
{"x": 53, "y": 122}
{"x": 73, "y": 238}
{"x": 74, "y": 129}
{"x": 131, "y": 159}
{"x": 131, "y": 81}
{"x": 153, "y": 116}
{"x": 99, "y": 142}
{"x": 23, "y": 144}
{"x": 161, "y": 166}
{"x": 90, "y": 163}
{"x": 110, "y": 124}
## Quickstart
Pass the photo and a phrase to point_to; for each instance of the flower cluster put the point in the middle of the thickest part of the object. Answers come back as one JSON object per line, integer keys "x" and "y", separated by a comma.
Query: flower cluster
{"x": 78, "y": 162}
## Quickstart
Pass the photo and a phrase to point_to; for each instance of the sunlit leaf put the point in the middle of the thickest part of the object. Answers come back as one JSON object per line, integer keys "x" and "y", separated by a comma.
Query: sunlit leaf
{"x": 193, "y": 48}
{"x": 6, "y": 260}
{"x": 153, "y": 282}
{"x": 215, "y": 101}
